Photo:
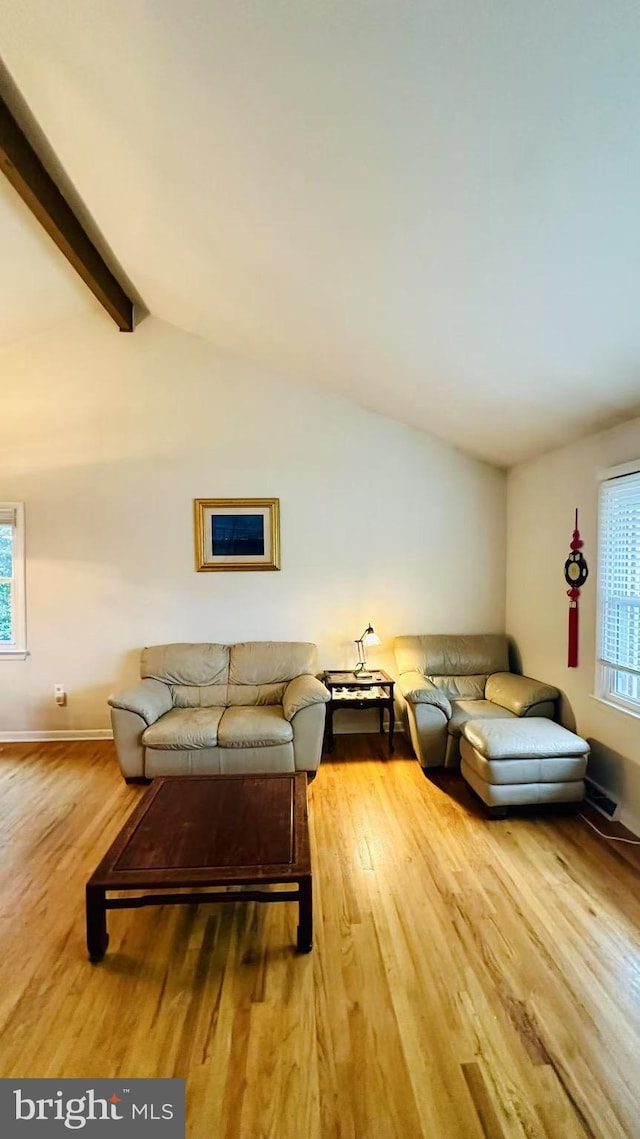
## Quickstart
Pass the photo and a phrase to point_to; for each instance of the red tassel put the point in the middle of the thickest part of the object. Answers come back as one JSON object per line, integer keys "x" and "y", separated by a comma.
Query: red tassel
{"x": 572, "y": 657}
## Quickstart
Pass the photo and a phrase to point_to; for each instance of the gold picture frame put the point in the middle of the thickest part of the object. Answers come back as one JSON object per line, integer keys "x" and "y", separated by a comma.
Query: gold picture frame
{"x": 237, "y": 533}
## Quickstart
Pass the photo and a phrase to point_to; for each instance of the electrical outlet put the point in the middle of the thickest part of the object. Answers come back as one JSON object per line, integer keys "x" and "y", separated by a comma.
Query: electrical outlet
{"x": 59, "y": 694}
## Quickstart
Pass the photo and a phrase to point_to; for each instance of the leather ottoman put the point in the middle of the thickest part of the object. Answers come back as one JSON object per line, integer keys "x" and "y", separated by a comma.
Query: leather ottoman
{"x": 527, "y": 760}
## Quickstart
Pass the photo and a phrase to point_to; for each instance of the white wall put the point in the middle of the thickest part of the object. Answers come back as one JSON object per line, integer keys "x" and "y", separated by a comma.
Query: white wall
{"x": 108, "y": 438}
{"x": 542, "y": 497}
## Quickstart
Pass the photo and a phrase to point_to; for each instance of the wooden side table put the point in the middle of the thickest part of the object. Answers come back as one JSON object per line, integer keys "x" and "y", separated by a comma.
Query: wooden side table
{"x": 349, "y": 691}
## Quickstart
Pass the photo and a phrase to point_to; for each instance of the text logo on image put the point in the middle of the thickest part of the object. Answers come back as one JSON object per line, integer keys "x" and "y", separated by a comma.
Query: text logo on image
{"x": 129, "y": 1108}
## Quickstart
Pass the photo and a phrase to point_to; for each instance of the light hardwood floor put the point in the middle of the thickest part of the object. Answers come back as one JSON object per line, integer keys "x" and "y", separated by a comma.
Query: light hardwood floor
{"x": 469, "y": 978}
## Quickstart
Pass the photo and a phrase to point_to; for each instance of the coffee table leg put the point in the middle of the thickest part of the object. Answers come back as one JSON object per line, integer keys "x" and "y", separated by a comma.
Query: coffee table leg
{"x": 305, "y": 916}
{"x": 97, "y": 936}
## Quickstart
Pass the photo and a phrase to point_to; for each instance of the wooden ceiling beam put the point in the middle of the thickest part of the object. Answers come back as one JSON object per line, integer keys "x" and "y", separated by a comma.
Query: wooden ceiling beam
{"x": 28, "y": 176}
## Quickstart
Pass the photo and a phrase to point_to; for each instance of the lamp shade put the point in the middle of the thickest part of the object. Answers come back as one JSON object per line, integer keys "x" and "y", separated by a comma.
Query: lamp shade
{"x": 370, "y": 637}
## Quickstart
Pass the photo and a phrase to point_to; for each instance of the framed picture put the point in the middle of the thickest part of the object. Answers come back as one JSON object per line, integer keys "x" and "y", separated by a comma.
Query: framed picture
{"x": 237, "y": 533}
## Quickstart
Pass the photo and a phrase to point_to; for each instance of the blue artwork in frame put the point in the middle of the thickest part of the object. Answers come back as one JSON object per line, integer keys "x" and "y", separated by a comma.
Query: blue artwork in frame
{"x": 237, "y": 533}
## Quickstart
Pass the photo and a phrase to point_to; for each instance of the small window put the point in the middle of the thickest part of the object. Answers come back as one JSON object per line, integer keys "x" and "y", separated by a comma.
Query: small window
{"x": 619, "y": 589}
{"x": 12, "y": 598}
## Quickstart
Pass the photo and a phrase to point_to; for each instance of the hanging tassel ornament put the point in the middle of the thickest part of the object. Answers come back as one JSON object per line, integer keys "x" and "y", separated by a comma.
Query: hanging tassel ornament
{"x": 576, "y": 572}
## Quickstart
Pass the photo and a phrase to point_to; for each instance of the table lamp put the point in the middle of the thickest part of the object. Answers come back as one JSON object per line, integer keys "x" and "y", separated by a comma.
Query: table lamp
{"x": 369, "y": 637}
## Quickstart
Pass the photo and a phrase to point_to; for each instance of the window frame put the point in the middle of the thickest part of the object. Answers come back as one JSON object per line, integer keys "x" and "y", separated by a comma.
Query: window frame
{"x": 17, "y": 648}
{"x": 606, "y": 672}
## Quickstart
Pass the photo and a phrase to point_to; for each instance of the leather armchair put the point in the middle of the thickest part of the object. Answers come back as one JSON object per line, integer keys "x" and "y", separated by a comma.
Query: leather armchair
{"x": 446, "y": 680}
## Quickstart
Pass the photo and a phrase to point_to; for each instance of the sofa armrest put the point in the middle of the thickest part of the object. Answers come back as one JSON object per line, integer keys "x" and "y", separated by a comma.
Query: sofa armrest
{"x": 416, "y": 689}
{"x": 518, "y": 694}
{"x": 302, "y": 691}
{"x": 149, "y": 699}
{"x": 127, "y": 734}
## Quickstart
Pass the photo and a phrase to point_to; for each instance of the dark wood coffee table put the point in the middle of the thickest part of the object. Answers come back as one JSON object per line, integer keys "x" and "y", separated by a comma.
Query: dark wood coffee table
{"x": 204, "y": 832}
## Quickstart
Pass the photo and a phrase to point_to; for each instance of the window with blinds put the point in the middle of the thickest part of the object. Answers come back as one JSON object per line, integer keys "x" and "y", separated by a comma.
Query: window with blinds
{"x": 619, "y": 589}
{"x": 12, "y": 604}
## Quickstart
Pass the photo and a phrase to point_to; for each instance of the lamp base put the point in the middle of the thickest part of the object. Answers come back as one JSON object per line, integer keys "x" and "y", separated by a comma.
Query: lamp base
{"x": 362, "y": 675}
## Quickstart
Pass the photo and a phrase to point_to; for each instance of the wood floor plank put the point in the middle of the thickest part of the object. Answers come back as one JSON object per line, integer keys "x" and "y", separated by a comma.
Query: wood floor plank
{"x": 480, "y": 1094}
{"x": 470, "y": 979}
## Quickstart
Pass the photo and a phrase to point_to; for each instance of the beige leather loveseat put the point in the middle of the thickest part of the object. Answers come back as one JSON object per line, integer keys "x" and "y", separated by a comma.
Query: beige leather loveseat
{"x": 210, "y": 708}
{"x": 444, "y": 681}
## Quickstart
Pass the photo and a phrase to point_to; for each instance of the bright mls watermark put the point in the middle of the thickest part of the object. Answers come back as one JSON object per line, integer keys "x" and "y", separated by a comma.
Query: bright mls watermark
{"x": 127, "y": 1109}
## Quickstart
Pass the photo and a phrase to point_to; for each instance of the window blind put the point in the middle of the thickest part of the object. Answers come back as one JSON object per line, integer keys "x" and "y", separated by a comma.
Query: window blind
{"x": 7, "y": 515}
{"x": 619, "y": 580}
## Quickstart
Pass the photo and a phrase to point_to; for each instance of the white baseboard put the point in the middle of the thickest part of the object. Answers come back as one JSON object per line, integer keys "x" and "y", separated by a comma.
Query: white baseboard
{"x": 69, "y": 734}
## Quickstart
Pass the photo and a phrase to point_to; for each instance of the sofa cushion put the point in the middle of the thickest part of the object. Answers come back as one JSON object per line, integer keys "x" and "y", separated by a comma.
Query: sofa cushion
{"x": 461, "y": 687}
{"x": 453, "y": 655}
{"x": 464, "y": 710}
{"x": 191, "y": 664}
{"x": 199, "y": 695}
{"x": 184, "y": 728}
{"x": 270, "y": 662}
{"x": 261, "y": 726}
{"x": 523, "y": 738}
{"x": 255, "y": 694}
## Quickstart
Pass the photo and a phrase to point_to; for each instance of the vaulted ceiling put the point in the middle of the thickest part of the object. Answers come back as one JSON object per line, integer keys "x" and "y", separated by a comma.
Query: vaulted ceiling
{"x": 431, "y": 208}
{"x": 37, "y": 287}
